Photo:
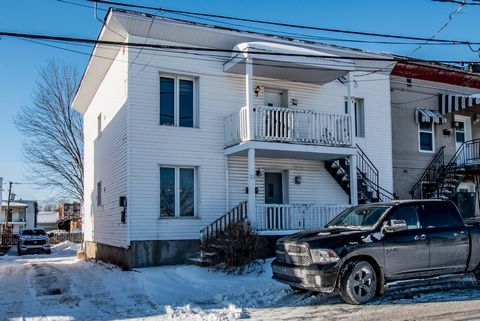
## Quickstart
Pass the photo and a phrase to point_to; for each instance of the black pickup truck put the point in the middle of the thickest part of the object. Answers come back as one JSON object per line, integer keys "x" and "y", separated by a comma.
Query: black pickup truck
{"x": 370, "y": 247}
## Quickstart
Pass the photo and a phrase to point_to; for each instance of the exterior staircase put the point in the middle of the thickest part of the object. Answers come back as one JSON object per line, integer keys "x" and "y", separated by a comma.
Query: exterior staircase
{"x": 212, "y": 230}
{"x": 368, "y": 187}
{"x": 441, "y": 180}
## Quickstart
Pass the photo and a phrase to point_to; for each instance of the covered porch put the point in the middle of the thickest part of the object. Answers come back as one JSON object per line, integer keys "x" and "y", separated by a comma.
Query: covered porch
{"x": 285, "y": 191}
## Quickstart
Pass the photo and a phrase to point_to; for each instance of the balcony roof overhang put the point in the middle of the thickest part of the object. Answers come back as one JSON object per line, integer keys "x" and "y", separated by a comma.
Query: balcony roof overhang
{"x": 280, "y": 61}
{"x": 291, "y": 151}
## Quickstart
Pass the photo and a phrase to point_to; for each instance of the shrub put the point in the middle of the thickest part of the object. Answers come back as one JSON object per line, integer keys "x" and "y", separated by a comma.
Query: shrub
{"x": 234, "y": 248}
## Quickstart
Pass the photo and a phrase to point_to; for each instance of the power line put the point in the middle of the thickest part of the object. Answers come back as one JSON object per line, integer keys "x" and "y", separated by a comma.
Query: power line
{"x": 450, "y": 18}
{"x": 459, "y": 2}
{"x": 203, "y": 49}
{"x": 286, "y": 34}
{"x": 282, "y": 24}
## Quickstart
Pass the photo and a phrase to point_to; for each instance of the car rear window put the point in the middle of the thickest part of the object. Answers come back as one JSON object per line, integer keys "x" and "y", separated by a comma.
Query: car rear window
{"x": 440, "y": 214}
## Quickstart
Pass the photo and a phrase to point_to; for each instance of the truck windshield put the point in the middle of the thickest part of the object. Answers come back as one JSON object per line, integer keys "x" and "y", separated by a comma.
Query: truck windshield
{"x": 360, "y": 216}
{"x": 33, "y": 232}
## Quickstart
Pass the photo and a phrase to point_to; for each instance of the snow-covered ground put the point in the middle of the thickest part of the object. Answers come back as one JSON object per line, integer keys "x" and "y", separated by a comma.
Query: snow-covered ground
{"x": 60, "y": 287}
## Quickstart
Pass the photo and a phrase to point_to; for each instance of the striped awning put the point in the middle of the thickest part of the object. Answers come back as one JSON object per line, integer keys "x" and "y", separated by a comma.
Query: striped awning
{"x": 451, "y": 103}
{"x": 424, "y": 115}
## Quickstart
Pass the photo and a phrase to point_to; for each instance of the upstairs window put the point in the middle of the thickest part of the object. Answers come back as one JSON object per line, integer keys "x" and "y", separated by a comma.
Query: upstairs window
{"x": 178, "y": 101}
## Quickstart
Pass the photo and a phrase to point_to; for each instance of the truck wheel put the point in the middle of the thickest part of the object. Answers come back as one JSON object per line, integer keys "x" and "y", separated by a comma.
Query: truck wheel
{"x": 359, "y": 283}
{"x": 476, "y": 273}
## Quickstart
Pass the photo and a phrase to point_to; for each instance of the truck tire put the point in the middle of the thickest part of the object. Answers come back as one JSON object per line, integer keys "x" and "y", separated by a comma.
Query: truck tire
{"x": 476, "y": 273}
{"x": 358, "y": 283}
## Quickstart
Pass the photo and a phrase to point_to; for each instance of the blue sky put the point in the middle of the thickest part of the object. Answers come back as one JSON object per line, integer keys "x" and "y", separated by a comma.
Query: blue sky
{"x": 20, "y": 60}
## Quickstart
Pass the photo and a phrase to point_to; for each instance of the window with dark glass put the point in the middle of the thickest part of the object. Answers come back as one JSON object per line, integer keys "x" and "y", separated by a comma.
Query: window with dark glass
{"x": 178, "y": 101}
{"x": 167, "y": 101}
{"x": 186, "y": 103}
{"x": 167, "y": 191}
{"x": 187, "y": 192}
{"x": 440, "y": 214}
{"x": 426, "y": 140}
{"x": 177, "y": 191}
{"x": 99, "y": 193}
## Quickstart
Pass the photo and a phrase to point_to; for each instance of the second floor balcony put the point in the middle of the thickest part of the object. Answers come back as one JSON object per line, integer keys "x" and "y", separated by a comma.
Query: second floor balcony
{"x": 288, "y": 125}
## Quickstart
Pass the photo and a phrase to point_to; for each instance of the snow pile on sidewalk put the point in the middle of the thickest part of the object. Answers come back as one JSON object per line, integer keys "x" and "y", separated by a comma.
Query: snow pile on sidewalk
{"x": 189, "y": 313}
{"x": 66, "y": 246}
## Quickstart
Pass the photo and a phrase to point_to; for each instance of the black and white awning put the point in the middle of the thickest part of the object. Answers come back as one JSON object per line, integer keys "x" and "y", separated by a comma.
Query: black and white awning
{"x": 424, "y": 115}
{"x": 451, "y": 103}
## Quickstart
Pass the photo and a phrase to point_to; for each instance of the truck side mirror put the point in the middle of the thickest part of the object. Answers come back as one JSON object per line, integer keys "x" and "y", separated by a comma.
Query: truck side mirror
{"x": 395, "y": 226}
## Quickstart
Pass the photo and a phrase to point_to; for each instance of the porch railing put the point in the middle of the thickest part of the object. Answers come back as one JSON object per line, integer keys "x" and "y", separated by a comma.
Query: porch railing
{"x": 282, "y": 217}
{"x": 289, "y": 125}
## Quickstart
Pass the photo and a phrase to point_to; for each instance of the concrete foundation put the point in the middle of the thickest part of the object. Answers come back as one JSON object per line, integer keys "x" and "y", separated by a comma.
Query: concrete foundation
{"x": 143, "y": 253}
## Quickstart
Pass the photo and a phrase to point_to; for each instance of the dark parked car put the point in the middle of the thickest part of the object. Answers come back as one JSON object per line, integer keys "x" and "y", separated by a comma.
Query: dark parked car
{"x": 33, "y": 241}
{"x": 373, "y": 246}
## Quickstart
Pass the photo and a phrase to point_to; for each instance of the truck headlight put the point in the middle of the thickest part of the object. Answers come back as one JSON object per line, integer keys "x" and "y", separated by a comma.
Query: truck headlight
{"x": 324, "y": 256}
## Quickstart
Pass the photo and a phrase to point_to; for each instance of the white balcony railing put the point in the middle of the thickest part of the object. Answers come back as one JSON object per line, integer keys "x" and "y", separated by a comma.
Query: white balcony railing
{"x": 284, "y": 217}
{"x": 290, "y": 126}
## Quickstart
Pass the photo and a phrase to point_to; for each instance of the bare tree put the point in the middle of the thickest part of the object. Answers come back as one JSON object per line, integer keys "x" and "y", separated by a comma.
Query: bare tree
{"x": 53, "y": 131}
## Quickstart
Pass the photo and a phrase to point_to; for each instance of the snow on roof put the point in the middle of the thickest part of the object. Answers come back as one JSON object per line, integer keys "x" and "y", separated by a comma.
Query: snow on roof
{"x": 14, "y": 204}
{"x": 47, "y": 217}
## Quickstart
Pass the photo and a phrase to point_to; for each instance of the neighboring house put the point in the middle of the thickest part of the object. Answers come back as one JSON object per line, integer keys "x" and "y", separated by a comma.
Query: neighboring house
{"x": 47, "y": 220}
{"x": 31, "y": 213}
{"x": 18, "y": 218}
{"x": 70, "y": 210}
{"x": 175, "y": 141}
{"x": 436, "y": 131}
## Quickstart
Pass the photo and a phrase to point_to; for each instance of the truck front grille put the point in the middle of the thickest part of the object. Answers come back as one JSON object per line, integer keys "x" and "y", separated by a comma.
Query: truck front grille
{"x": 34, "y": 242}
{"x": 296, "y": 254}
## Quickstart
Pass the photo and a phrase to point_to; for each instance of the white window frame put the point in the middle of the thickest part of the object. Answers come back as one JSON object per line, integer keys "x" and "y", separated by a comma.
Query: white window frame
{"x": 432, "y": 132}
{"x": 177, "y": 191}
{"x": 176, "y": 99}
{"x": 358, "y": 101}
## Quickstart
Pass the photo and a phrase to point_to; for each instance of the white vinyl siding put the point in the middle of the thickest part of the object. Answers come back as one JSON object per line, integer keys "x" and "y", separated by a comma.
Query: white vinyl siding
{"x": 221, "y": 94}
{"x": 105, "y": 158}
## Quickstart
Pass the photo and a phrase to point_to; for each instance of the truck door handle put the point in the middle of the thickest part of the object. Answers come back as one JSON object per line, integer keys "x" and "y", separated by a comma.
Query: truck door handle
{"x": 458, "y": 234}
{"x": 422, "y": 237}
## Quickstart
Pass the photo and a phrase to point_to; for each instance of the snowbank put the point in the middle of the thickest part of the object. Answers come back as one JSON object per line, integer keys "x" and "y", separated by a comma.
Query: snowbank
{"x": 66, "y": 246}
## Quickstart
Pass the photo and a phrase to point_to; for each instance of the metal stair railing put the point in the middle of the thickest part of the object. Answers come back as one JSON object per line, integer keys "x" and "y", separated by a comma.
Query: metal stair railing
{"x": 431, "y": 174}
{"x": 236, "y": 214}
{"x": 370, "y": 174}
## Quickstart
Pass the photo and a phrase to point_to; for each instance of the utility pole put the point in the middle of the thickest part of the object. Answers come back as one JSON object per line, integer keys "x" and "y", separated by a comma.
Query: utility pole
{"x": 8, "y": 204}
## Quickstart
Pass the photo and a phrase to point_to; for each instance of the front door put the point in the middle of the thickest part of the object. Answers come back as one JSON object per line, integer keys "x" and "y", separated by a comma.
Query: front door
{"x": 273, "y": 188}
{"x": 275, "y": 97}
{"x": 463, "y": 133}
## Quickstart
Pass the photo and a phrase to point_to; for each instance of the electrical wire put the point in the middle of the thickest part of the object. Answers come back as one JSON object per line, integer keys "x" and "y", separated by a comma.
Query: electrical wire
{"x": 290, "y": 25}
{"x": 288, "y": 34}
{"x": 450, "y": 18}
{"x": 203, "y": 49}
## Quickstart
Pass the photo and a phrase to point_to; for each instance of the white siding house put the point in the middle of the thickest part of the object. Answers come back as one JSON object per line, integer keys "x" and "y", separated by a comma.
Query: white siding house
{"x": 181, "y": 136}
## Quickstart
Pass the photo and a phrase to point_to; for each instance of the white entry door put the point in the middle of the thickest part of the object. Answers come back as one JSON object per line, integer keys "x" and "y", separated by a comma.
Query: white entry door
{"x": 463, "y": 131}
